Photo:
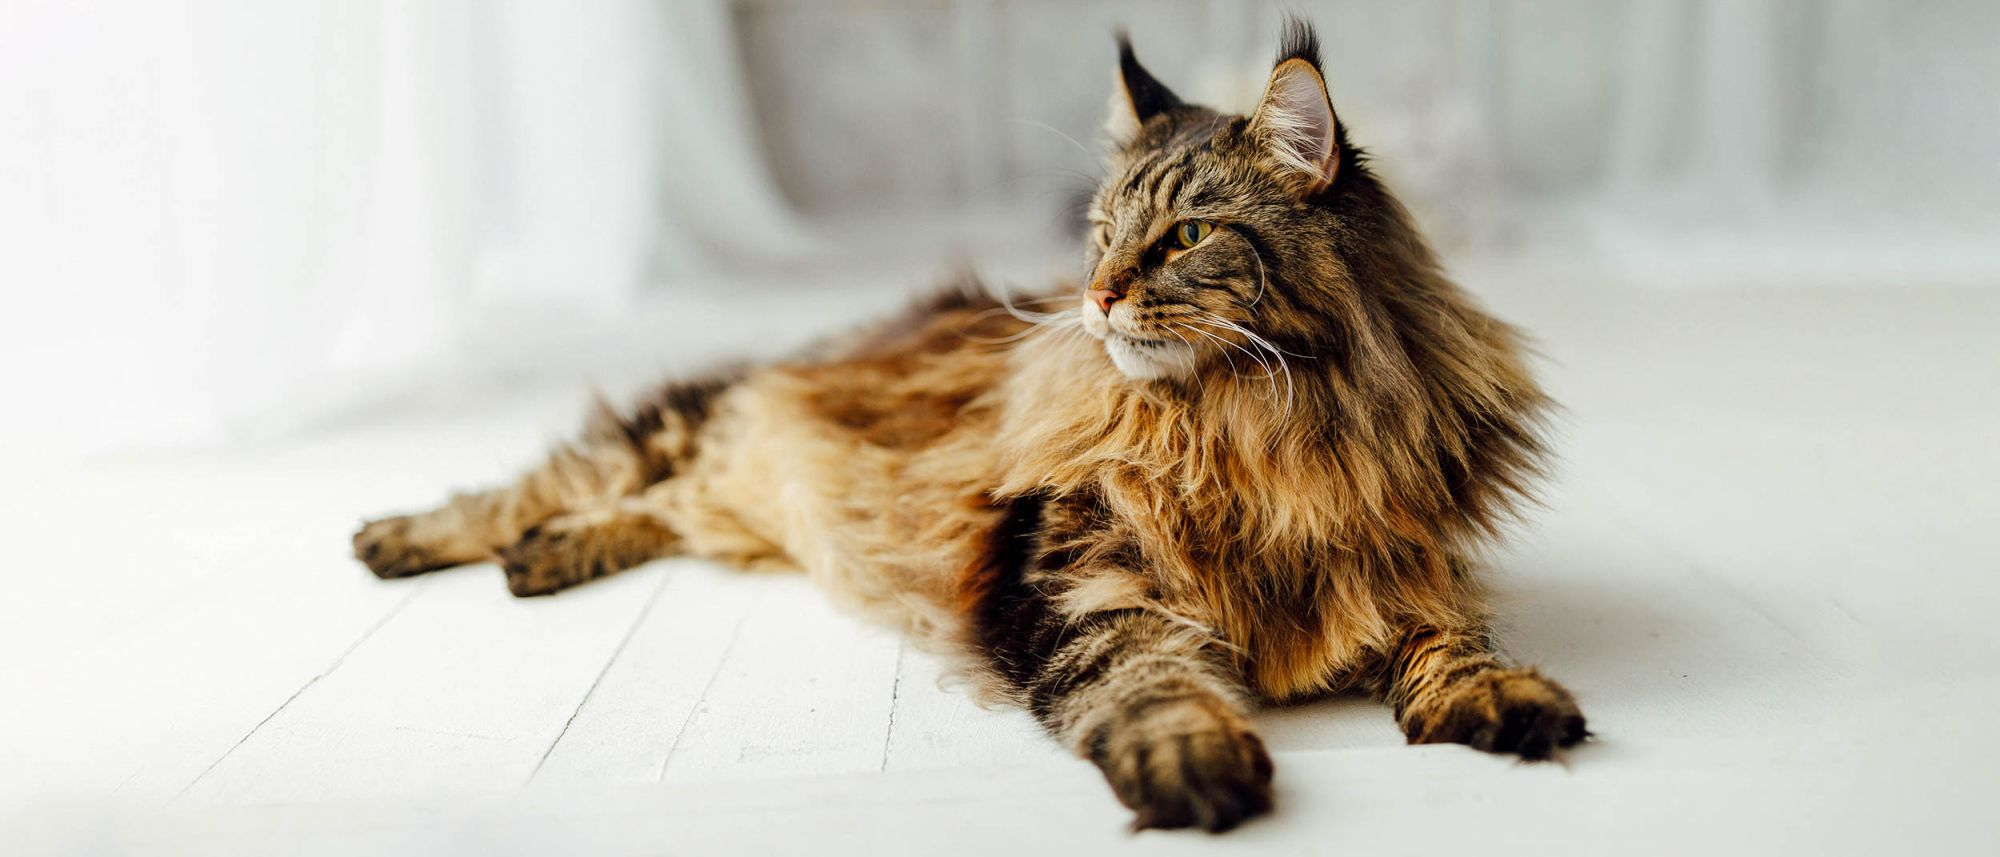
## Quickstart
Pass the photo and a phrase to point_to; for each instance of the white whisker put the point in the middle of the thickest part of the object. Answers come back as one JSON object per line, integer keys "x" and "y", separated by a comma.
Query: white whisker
{"x": 1199, "y": 383}
{"x": 1270, "y": 375}
{"x": 1262, "y": 281}
{"x": 1007, "y": 303}
{"x": 1264, "y": 344}
{"x": 1225, "y": 355}
{"x": 1058, "y": 132}
{"x": 1073, "y": 320}
{"x": 1252, "y": 335}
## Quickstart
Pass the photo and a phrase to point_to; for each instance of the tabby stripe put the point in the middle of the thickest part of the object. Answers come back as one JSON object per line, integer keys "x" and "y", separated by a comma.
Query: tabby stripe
{"x": 1158, "y": 173}
{"x": 1011, "y": 617}
{"x": 1259, "y": 246}
{"x": 1427, "y": 664}
{"x": 1177, "y": 178}
{"x": 1079, "y": 663}
{"x": 1132, "y": 184}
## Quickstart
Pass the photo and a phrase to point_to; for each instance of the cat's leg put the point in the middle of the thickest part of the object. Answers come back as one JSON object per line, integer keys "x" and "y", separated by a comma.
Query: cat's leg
{"x": 1153, "y": 703}
{"x": 1153, "y": 707}
{"x": 1156, "y": 704}
{"x": 621, "y": 454}
{"x": 583, "y": 545}
{"x": 1452, "y": 687}
{"x": 473, "y": 527}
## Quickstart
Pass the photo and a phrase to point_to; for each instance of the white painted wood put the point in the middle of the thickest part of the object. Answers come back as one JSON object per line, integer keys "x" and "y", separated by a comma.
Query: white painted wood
{"x": 938, "y": 724}
{"x": 1344, "y": 722}
{"x": 463, "y": 690}
{"x": 1717, "y": 795}
{"x": 176, "y": 634}
{"x": 632, "y": 717}
{"x": 804, "y": 691}
{"x": 1766, "y": 569}
{"x": 1648, "y": 641}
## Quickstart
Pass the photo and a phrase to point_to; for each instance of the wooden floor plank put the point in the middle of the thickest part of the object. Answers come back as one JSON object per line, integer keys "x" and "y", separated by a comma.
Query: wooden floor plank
{"x": 185, "y": 650}
{"x": 806, "y": 690}
{"x": 623, "y": 731}
{"x": 462, "y": 691}
{"x": 1766, "y": 571}
{"x": 940, "y": 723}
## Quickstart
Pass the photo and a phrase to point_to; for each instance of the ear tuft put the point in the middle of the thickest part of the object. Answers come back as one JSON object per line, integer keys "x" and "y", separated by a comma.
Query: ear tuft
{"x": 1298, "y": 42}
{"x": 1294, "y": 121}
{"x": 1136, "y": 95}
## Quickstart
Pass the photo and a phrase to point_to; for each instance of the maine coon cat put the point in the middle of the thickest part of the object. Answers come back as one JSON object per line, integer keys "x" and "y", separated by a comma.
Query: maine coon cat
{"x": 1247, "y": 463}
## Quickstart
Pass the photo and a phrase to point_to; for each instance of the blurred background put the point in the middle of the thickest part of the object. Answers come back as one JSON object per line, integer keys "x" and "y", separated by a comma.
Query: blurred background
{"x": 271, "y": 266}
{"x": 222, "y": 222}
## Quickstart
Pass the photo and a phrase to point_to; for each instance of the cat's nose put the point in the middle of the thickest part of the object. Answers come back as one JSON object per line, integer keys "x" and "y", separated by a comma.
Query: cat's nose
{"x": 1104, "y": 298}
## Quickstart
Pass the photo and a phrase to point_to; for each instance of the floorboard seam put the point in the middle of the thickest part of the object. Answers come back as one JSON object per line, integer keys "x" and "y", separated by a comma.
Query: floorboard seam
{"x": 419, "y": 587}
{"x": 721, "y": 663}
{"x": 624, "y": 641}
{"x": 895, "y": 695}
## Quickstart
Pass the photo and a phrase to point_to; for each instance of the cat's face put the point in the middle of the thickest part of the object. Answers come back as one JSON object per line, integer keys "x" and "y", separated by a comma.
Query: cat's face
{"x": 1184, "y": 230}
{"x": 1175, "y": 274}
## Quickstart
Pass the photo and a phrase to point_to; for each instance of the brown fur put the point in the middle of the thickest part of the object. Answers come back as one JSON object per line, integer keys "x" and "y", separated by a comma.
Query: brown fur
{"x": 1131, "y": 543}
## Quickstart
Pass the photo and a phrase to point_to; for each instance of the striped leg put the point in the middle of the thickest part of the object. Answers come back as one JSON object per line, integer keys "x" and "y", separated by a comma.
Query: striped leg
{"x": 568, "y": 520}
{"x": 1144, "y": 700}
{"x": 1147, "y": 699}
{"x": 1450, "y": 687}
{"x": 585, "y": 545}
{"x": 472, "y": 527}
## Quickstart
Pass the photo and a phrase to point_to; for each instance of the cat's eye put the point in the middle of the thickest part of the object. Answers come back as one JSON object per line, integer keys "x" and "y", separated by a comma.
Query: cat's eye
{"x": 1188, "y": 233}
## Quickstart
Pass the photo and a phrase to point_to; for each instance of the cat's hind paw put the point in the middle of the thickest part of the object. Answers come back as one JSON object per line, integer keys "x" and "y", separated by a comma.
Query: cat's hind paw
{"x": 544, "y": 560}
{"x": 388, "y": 548}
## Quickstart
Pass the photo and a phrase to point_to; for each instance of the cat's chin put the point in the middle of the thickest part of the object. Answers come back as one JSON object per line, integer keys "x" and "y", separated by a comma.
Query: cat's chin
{"x": 1144, "y": 360}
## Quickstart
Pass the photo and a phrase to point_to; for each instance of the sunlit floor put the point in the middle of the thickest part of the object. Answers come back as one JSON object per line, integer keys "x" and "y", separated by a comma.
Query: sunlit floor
{"x": 1769, "y": 570}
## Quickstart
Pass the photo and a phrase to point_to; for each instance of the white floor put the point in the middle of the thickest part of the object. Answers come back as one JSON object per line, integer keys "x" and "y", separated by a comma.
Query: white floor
{"x": 1768, "y": 571}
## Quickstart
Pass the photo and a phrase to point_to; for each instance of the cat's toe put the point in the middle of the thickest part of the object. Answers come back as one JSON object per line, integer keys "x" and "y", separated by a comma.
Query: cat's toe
{"x": 385, "y": 546}
{"x": 539, "y": 563}
{"x": 1533, "y": 731}
{"x": 1506, "y": 711}
{"x": 1213, "y": 779}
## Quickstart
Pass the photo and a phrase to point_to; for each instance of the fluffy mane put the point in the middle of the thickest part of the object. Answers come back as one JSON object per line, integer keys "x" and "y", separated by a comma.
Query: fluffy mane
{"x": 1354, "y": 481}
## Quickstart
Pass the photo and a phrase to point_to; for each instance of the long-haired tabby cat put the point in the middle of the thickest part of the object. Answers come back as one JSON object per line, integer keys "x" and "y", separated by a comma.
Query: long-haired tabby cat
{"x": 1260, "y": 477}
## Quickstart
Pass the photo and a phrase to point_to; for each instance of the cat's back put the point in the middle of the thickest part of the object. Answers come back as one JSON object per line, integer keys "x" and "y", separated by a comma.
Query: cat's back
{"x": 867, "y": 462}
{"x": 913, "y": 378}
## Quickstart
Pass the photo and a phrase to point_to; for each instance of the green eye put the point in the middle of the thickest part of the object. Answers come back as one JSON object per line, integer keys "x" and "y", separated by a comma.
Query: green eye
{"x": 1188, "y": 233}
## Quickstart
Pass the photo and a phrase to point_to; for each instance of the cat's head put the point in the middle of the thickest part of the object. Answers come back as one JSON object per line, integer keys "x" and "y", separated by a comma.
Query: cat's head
{"x": 1217, "y": 237}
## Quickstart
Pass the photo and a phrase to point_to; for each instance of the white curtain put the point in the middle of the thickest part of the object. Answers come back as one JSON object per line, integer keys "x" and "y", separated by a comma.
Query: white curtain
{"x": 1802, "y": 143}
{"x": 225, "y": 219}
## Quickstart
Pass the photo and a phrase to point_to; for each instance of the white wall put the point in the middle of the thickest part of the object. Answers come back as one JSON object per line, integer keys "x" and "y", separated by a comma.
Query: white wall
{"x": 1790, "y": 140}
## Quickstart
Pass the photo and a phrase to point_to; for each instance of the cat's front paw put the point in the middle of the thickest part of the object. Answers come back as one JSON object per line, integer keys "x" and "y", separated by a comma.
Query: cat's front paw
{"x": 1501, "y": 711}
{"x": 1185, "y": 765}
{"x": 388, "y": 548}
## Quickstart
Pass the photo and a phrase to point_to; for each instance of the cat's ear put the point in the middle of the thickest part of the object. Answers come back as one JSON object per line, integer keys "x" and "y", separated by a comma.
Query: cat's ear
{"x": 1136, "y": 96}
{"x": 1294, "y": 122}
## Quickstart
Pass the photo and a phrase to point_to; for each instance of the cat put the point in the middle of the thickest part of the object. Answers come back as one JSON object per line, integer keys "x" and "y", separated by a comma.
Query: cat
{"x": 1248, "y": 463}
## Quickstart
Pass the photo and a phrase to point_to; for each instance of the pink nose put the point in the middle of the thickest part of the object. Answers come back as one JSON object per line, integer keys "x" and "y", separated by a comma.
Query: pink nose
{"x": 1104, "y": 298}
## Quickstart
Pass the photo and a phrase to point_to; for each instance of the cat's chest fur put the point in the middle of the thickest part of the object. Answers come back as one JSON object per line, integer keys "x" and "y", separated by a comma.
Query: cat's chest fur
{"x": 1279, "y": 580}
{"x": 1272, "y": 536}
